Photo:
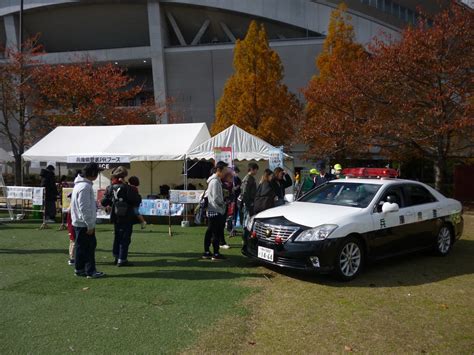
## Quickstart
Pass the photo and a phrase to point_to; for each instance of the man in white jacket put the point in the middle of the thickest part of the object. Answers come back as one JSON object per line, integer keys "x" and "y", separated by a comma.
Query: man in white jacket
{"x": 216, "y": 211}
{"x": 83, "y": 215}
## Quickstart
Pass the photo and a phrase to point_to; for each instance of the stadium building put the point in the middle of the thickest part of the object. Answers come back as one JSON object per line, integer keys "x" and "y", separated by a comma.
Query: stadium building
{"x": 184, "y": 48}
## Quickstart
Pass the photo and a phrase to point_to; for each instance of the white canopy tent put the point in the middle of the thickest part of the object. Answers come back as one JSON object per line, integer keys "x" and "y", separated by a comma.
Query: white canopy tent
{"x": 156, "y": 151}
{"x": 245, "y": 146}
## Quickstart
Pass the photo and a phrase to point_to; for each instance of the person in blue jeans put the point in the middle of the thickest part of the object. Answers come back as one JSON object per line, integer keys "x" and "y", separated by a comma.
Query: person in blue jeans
{"x": 123, "y": 200}
{"x": 83, "y": 215}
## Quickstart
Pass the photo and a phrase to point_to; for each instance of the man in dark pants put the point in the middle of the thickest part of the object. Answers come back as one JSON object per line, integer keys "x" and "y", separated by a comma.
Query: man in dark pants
{"x": 216, "y": 211}
{"x": 123, "y": 199}
{"x": 48, "y": 181}
{"x": 83, "y": 215}
{"x": 247, "y": 198}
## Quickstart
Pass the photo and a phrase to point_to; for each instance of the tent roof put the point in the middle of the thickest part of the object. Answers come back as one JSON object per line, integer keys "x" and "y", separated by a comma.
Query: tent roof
{"x": 152, "y": 142}
{"x": 245, "y": 146}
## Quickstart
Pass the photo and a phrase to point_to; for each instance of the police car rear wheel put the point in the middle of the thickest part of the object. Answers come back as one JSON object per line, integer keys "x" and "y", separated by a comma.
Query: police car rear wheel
{"x": 444, "y": 241}
{"x": 349, "y": 260}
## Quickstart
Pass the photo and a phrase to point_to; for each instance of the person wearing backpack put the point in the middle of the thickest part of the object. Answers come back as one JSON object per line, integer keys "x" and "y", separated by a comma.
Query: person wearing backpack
{"x": 123, "y": 201}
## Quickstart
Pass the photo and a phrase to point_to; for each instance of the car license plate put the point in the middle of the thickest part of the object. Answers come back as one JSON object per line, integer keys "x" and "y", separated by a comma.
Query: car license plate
{"x": 265, "y": 253}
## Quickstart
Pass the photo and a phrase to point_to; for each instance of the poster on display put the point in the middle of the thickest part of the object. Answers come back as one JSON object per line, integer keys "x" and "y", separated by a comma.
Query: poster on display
{"x": 20, "y": 192}
{"x": 34, "y": 164}
{"x": 38, "y": 196}
{"x": 104, "y": 161}
{"x": 34, "y": 194}
{"x": 223, "y": 154}
{"x": 185, "y": 196}
{"x": 275, "y": 158}
{"x": 65, "y": 199}
{"x": 160, "y": 208}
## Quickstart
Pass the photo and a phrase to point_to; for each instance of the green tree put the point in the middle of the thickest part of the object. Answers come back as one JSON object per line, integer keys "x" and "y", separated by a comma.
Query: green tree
{"x": 254, "y": 97}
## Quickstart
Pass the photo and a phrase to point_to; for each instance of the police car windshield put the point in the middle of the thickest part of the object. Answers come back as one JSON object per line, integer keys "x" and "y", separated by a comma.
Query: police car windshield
{"x": 343, "y": 194}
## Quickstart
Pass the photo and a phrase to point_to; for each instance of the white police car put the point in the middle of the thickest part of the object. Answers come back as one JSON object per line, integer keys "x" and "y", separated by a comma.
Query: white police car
{"x": 340, "y": 225}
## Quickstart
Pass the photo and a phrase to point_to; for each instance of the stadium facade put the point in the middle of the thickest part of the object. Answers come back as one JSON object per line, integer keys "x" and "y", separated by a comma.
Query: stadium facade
{"x": 184, "y": 48}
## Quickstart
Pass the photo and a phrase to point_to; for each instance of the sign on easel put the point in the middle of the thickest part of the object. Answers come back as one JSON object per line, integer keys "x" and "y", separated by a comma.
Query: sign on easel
{"x": 223, "y": 154}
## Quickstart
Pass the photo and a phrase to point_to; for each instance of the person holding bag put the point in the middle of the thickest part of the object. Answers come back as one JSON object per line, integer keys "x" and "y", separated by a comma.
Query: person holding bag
{"x": 123, "y": 200}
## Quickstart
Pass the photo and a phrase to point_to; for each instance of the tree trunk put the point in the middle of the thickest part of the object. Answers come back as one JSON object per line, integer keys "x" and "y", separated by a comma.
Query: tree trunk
{"x": 440, "y": 167}
{"x": 18, "y": 171}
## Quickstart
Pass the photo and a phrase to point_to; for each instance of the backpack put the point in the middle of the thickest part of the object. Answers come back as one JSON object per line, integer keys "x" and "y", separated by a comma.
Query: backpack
{"x": 120, "y": 206}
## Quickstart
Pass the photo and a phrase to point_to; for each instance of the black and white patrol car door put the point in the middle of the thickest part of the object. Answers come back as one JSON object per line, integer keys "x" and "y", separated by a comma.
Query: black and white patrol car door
{"x": 425, "y": 224}
{"x": 391, "y": 229}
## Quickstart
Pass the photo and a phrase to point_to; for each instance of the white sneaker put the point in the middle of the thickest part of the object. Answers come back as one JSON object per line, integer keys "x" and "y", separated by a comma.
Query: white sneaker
{"x": 225, "y": 246}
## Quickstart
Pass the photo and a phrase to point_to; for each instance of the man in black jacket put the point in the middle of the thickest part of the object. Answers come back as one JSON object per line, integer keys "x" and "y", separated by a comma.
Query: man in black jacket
{"x": 247, "y": 197}
{"x": 48, "y": 181}
{"x": 123, "y": 200}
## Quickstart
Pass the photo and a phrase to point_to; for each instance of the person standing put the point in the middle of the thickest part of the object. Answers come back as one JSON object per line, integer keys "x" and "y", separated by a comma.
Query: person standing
{"x": 238, "y": 213}
{"x": 83, "y": 218}
{"x": 266, "y": 196}
{"x": 323, "y": 175}
{"x": 123, "y": 200}
{"x": 247, "y": 199}
{"x": 48, "y": 181}
{"x": 216, "y": 211}
{"x": 280, "y": 182}
{"x": 338, "y": 172}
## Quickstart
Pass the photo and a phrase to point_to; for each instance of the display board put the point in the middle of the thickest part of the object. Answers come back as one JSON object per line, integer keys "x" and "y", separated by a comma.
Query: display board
{"x": 160, "y": 207}
{"x": 34, "y": 194}
{"x": 275, "y": 158}
{"x": 223, "y": 154}
{"x": 185, "y": 196}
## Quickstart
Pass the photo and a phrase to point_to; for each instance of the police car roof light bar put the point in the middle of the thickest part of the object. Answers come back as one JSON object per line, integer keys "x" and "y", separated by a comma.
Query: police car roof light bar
{"x": 370, "y": 173}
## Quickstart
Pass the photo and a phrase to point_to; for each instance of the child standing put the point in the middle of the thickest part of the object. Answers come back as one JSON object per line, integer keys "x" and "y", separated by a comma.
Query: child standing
{"x": 134, "y": 182}
{"x": 72, "y": 237}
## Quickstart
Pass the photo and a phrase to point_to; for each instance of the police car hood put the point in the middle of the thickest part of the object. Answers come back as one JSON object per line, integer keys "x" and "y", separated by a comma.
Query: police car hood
{"x": 311, "y": 214}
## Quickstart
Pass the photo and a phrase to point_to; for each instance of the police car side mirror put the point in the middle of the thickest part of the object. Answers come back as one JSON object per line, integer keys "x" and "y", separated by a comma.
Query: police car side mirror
{"x": 388, "y": 207}
{"x": 289, "y": 198}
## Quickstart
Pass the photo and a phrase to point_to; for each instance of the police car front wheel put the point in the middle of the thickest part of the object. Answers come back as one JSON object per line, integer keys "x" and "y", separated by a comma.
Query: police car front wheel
{"x": 349, "y": 259}
{"x": 444, "y": 241}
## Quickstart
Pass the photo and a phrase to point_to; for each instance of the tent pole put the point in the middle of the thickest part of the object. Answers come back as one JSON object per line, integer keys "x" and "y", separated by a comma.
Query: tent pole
{"x": 151, "y": 178}
{"x": 185, "y": 185}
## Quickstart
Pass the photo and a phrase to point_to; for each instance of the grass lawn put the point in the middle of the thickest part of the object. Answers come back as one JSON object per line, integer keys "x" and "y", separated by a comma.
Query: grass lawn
{"x": 173, "y": 302}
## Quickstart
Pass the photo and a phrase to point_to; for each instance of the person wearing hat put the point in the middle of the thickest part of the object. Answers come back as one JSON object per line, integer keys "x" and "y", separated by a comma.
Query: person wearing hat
{"x": 323, "y": 176}
{"x": 123, "y": 200}
{"x": 48, "y": 181}
{"x": 338, "y": 171}
{"x": 83, "y": 218}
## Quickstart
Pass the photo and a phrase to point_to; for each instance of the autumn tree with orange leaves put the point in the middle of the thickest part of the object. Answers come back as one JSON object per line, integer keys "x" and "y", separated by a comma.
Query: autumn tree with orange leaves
{"x": 36, "y": 97}
{"x": 254, "y": 97}
{"x": 411, "y": 97}
{"x": 328, "y": 98}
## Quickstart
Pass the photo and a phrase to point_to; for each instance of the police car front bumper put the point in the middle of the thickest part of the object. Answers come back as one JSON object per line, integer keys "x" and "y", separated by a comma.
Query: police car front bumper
{"x": 316, "y": 256}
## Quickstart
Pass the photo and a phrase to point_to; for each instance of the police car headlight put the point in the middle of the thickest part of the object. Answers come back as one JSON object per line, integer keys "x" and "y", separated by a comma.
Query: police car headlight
{"x": 315, "y": 234}
{"x": 249, "y": 223}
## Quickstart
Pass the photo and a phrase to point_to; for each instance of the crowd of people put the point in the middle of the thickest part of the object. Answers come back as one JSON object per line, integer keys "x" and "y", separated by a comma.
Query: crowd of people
{"x": 228, "y": 200}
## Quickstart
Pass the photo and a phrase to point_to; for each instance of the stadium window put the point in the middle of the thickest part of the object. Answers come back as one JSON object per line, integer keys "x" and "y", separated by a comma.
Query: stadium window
{"x": 395, "y": 9}
{"x": 411, "y": 16}
{"x": 387, "y": 6}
